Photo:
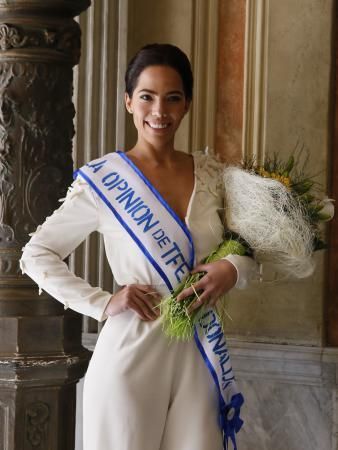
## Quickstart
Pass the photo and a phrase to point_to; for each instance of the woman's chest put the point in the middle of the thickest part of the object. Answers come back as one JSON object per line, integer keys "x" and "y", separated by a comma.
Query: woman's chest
{"x": 202, "y": 221}
{"x": 175, "y": 188}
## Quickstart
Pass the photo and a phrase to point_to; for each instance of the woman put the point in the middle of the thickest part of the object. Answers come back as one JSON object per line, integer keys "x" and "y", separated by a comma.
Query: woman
{"x": 157, "y": 209}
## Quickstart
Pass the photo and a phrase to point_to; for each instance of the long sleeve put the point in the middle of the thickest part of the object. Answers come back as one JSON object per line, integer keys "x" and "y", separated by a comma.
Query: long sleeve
{"x": 208, "y": 227}
{"x": 53, "y": 241}
{"x": 247, "y": 269}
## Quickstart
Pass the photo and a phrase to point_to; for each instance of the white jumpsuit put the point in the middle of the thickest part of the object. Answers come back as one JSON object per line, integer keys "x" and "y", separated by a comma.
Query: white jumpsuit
{"x": 141, "y": 391}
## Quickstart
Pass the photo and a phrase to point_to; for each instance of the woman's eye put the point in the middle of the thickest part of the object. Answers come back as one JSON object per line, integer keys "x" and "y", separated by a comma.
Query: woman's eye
{"x": 175, "y": 98}
{"x": 145, "y": 97}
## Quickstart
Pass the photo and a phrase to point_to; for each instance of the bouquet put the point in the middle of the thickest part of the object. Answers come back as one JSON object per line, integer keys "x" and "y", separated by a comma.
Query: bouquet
{"x": 272, "y": 211}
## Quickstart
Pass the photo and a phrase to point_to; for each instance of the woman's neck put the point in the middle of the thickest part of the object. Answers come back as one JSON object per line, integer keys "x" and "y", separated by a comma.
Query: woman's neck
{"x": 164, "y": 155}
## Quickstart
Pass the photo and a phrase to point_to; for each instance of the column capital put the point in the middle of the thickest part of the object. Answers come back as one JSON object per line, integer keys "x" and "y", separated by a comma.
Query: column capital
{"x": 70, "y": 8}
{"x": 40, "y": 31}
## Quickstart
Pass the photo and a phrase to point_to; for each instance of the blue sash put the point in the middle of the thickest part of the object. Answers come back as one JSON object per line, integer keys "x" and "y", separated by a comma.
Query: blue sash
{"x": 167, "y": 244}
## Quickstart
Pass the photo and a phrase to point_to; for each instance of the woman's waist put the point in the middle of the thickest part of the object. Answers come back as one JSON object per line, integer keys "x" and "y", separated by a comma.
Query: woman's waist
{"x": 161, "y": 288}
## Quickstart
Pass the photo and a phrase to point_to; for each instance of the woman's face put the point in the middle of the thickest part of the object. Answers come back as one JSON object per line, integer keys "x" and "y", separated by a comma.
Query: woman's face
{"x": 158, "y": 105}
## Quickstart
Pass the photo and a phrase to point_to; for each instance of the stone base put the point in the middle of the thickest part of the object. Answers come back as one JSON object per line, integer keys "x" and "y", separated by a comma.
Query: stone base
{"x": 38, "y": 401}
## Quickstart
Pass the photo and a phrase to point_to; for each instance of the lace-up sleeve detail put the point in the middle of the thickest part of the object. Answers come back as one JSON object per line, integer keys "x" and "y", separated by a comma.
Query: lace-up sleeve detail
{"x": 54, "y": 240}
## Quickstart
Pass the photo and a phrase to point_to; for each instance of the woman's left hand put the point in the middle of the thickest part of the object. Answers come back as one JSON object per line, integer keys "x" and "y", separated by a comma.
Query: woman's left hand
{"x": 219, "y": 278}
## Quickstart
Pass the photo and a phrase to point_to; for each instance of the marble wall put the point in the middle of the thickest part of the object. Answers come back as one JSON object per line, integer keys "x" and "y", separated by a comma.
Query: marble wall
{"x": 230, "y": 75}
{"x": 291, "y": 396}
{"x": 294, "y": 105}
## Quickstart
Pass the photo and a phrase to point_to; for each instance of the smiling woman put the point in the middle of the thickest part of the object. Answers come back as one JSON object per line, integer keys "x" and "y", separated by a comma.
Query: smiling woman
{"x": 158, "y": 210}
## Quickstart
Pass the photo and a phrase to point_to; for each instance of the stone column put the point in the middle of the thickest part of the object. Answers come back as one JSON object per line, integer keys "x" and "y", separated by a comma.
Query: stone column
{"x": 41, "y": 357}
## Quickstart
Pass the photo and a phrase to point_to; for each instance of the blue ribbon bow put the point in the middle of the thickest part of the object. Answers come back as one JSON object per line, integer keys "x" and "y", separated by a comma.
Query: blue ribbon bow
{"x": 230, "y": 421}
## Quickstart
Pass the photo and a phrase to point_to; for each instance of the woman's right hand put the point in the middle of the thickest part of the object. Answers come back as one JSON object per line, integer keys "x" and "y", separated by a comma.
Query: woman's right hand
{"x": 142, "y": 299}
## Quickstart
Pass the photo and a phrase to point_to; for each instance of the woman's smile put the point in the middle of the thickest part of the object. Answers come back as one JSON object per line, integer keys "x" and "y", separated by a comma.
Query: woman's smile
{"x": 158, "y": 126}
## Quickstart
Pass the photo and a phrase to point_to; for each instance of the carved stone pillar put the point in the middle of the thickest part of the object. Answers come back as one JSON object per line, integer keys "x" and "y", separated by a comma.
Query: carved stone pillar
{"x": 41, "y": 357}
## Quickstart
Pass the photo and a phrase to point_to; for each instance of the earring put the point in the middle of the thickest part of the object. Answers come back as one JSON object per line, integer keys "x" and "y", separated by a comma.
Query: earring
{"x": 130, "y": 111}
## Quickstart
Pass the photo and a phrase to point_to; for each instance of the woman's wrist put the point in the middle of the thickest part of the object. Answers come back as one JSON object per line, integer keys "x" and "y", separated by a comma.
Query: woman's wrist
{"x": 106, "y": 311}
{"x": 230, "y": 271}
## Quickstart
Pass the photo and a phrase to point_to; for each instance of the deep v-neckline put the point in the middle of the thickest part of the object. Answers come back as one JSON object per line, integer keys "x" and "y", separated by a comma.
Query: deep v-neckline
{"x": 184, "y": 222}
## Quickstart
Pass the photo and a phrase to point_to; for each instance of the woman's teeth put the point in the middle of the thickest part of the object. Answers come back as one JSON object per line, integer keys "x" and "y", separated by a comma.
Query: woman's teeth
{"x": 158, "y": 125}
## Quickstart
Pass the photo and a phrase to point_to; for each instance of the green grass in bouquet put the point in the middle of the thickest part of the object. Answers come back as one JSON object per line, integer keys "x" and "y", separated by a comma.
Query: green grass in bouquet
{"x": 177, "y": 322}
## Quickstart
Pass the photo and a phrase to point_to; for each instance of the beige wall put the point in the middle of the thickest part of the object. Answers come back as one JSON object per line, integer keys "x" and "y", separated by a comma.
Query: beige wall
{"x": 290, "y": 105}
{"x": 292, "y": 108}
{"x": 191, "y": 25}
{"x": 112, "y": 31}
{"x": 295, "y": 113}
{"x": 293, "y": 104}
{"x": 163, "y": 22}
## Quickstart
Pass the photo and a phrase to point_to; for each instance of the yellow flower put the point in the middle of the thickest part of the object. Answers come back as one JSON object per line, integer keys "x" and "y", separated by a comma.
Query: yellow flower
{"x": 264, "y": 173}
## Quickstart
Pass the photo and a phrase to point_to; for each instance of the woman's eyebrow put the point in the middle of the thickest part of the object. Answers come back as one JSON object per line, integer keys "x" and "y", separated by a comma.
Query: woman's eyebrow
{"x": 149, "y": 91}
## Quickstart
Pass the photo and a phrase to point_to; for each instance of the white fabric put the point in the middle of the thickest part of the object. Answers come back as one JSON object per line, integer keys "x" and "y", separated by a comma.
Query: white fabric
{"x": 140, "y": 209}
{"x": 141, "y": 392}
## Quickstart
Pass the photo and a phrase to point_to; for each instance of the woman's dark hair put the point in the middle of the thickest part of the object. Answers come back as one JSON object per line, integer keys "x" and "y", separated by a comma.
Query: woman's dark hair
{"x": 159, "y": 55}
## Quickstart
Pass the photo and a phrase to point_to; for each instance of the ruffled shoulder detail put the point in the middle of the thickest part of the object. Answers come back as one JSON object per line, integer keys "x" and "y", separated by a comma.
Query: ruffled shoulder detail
{"x": 209, "y": 171}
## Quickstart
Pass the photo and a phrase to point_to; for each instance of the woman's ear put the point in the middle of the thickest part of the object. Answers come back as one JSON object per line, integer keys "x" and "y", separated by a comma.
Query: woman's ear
{"x": 187, "y": 106}
{"x": 127, "y": 101}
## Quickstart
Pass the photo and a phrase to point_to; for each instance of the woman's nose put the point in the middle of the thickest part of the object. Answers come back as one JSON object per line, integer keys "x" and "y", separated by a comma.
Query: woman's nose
{"x": 159, "y": 114}
{"x": 159, "y": 110}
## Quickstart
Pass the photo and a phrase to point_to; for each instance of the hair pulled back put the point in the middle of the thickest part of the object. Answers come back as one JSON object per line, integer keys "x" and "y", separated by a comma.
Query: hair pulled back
{"x": 160, "y": 55}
